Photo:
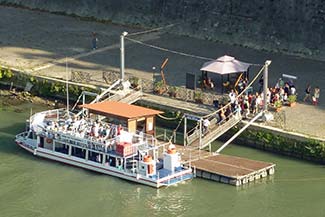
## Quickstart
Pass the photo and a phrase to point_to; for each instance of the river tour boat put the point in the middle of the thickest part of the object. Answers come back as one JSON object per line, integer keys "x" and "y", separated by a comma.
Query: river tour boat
{"x": 108, "y": 137}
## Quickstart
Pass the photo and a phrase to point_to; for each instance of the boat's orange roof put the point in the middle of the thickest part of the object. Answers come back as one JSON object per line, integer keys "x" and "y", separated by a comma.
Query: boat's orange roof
{"x": 121, "y": 110}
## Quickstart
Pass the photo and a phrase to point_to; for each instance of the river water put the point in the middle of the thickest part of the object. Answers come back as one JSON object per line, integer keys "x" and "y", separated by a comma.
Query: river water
{"x": 33, "y": 187}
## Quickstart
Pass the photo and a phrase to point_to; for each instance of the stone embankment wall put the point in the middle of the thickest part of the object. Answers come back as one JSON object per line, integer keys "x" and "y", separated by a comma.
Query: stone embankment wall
{"x": 300, "y": 147}
{"x": 292, "y": 26}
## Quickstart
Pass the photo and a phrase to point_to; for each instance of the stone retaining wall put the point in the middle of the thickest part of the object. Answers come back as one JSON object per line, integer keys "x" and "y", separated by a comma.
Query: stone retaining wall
{"x": 292, "y": 26}
{"x": 284, "y": 143}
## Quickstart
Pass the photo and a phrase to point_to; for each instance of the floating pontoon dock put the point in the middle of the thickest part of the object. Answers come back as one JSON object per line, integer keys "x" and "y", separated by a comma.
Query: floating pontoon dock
{"x": 231, "y": 170}
{"x": 225, "y": 168}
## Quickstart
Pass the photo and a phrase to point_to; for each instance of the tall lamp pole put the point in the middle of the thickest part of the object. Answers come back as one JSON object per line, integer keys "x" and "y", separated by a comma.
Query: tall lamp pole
{"x": 67, "y": 84}
{"x": 122, "y": 55}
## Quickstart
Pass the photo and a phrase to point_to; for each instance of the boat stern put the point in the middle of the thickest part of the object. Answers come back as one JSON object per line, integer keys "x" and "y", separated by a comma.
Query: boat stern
{"x": 23, "y": 140}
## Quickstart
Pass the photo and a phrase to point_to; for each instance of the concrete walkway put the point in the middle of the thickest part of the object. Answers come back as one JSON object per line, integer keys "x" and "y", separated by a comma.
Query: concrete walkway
{"x": 306, "y": 119}
{"x": 38, "y": 42}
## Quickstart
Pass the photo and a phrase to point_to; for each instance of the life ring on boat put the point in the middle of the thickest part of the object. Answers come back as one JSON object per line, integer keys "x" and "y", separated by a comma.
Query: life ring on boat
{"x": 49, "y": 141}
{"x": 147, "y": 159}
{"x": 171, "y": 151}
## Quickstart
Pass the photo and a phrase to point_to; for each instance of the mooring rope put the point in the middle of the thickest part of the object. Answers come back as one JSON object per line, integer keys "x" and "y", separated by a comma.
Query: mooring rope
{"x": 154, "y": 30}
{"x": 175, "y": 130}
{"x": 168, "y": 50}
{"x": 160, "y": 28}
{"x": 168, "y": 119}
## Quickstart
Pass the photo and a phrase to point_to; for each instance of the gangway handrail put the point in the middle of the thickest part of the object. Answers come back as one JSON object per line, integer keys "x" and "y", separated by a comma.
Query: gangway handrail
{"x": 239, "y": 132}
{"x": 220, "y": 130}
{"x": 222, "y": 125}
{"x": 98, "y": 97}
{"x": 106, "y": 91}
{"x": 83, "y": 93}
{"x": 134, "y": 96}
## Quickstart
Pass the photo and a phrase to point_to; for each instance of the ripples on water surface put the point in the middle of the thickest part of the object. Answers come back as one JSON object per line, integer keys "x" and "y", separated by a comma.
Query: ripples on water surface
{"x": 32, "y": 187}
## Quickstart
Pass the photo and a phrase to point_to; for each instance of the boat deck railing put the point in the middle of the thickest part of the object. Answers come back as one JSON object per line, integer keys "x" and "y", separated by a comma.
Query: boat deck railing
{"x": 97, "y": 144}
{"x": 61, "y": 115}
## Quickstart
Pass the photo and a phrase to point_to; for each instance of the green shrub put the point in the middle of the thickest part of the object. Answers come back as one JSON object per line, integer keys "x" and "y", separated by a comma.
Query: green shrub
{"x": 292, "y": 98}
{"x": 312, "y": 150}
{"x": 6, "y": 73}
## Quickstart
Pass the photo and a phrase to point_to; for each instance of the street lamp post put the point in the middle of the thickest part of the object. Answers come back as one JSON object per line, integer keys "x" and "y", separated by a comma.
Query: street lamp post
{"x": 153, "y": 77}
{"x": 122, "y": 55}
{"x": 267, "y": 116}
{"x": 265, "y": 82}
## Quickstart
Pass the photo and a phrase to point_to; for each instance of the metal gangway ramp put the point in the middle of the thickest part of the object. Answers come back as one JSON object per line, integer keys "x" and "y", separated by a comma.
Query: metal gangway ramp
{"x": 113, "y": 93}
{"x": 197, "y": 138}
{"x": 129, "y": 96}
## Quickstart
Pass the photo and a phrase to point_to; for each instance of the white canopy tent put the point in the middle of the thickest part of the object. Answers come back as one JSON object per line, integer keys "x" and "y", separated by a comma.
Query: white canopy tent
{"x": 225, "y": 65}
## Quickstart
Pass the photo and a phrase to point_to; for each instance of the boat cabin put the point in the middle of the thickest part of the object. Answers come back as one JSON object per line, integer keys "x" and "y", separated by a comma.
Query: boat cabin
{"x": 135, "y": 118}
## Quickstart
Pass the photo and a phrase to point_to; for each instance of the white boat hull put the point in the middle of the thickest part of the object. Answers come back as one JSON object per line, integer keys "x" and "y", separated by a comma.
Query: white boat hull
{"x": 86, "y": 164}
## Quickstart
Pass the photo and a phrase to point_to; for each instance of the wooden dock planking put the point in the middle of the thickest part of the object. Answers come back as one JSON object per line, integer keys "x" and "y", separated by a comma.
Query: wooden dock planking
{"x": 224, "y": 168}
{"x": 231, "y": 169}
{"x": 219, "y": 168}
{"x": 230, "y": 166}
{"x": 240, "y": 162}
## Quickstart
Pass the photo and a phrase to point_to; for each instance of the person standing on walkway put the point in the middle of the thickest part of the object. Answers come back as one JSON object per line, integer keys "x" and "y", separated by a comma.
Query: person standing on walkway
{"x": 94, "y": 41}
{"x": 206, "y": 124}
{"x": 307, "y": 92}
{"x": 316, "y": 95}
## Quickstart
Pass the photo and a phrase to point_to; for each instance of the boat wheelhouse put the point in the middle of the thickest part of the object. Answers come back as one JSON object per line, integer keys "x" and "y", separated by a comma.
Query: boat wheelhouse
{"x": 109, "y": 137}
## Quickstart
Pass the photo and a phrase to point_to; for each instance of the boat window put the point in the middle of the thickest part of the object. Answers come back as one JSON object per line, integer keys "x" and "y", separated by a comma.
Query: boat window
{"x": 78, "y": 152}
{"x": 62, "y": 148}
{"x": 41, "y": 142}
{"x": 48, "y": 143}
{"x": 95, "y": 157}
{"x": 111, "y": 160}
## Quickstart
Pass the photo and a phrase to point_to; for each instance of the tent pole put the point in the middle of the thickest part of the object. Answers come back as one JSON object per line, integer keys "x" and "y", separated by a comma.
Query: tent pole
{"x": 221, "y": 84}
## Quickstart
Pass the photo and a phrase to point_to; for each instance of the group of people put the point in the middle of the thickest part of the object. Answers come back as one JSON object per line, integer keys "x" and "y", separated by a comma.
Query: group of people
{"x": 86, "y": 128}
{"x": 207, "y": 83}
{"x": 308, "y": 94}
{"x": 252, "y": 103}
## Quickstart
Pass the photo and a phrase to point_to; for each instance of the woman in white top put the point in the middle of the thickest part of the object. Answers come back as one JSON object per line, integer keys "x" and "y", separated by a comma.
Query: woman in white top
{"x": 316, "y": 95}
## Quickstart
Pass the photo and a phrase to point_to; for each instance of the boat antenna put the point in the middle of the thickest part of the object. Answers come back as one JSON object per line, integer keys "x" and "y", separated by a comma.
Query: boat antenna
{"x": 67, "y": 77}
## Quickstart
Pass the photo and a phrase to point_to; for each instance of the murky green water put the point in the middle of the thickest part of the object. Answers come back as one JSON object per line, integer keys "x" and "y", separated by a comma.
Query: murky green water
{"x": 31, "y": 187}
